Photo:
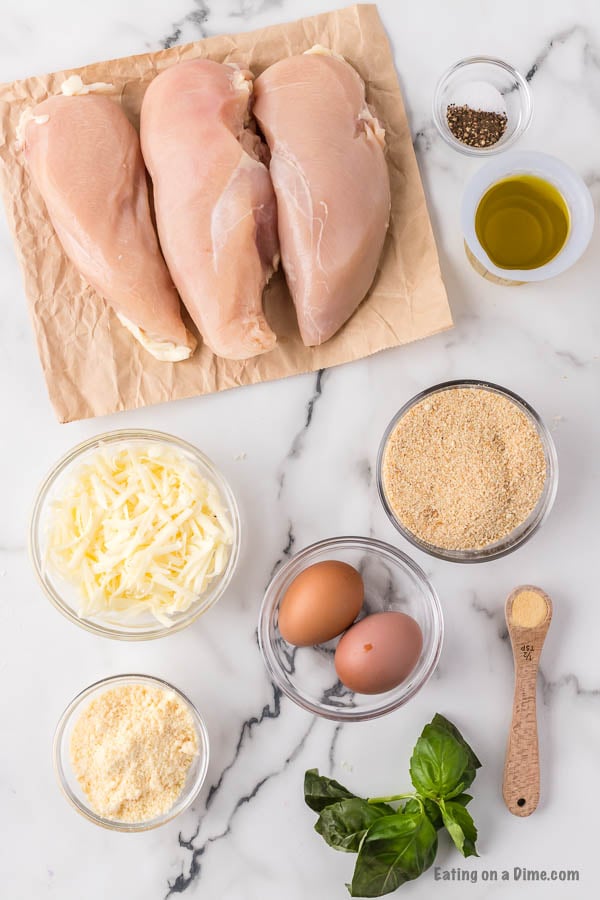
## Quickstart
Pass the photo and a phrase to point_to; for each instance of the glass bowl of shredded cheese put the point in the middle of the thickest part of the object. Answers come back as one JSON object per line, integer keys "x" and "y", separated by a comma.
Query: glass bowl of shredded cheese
{"x": 131, "y": 752}
{"x": 134, "y": 534}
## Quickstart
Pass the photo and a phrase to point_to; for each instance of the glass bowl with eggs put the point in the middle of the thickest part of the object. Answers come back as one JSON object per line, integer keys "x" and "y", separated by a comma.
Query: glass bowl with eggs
{"x": 134, "y": 534}
{"x": 350, "y": 628}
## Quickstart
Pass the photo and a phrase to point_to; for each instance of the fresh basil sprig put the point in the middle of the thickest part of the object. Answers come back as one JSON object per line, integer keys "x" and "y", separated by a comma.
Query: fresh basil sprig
{"x": 396, "y": 845}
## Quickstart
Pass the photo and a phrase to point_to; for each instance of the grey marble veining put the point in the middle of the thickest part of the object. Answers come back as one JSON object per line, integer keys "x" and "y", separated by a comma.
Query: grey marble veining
{"x": 190, "y": 27}
{"x": 300, "y": 455}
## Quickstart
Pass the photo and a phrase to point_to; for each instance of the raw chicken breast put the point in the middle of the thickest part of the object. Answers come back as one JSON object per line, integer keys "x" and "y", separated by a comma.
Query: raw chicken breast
{"x": 332, "y": 185}
{"x": 84, "y": 156}
{"x": 215, "y": 206}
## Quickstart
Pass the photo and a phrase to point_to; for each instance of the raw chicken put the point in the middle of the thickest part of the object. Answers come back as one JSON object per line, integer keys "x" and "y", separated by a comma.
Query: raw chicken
{"x": 215, "y": 206}
{"x": 84, "y": 156}
{"x": 332, "y": 185}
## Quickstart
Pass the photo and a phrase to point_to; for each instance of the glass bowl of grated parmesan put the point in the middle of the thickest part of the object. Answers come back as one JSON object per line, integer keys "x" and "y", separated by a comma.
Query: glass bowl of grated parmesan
{"x": 131, "y": 752}
{"x": 134, "y": 534}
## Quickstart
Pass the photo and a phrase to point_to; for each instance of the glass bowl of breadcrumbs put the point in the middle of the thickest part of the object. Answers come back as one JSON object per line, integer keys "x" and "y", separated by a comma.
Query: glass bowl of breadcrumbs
{"x": 467, "y": 471}
{"x": 131, "y": 752}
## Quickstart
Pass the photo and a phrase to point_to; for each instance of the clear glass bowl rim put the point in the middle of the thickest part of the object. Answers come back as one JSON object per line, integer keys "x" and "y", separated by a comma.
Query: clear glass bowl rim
{"x": 440, "y": 122}
{"x": 271, "y": 599}
{"x": 59, "y": 468}
{"x": 540, "y": 512}
{"x": 180, "y": 805}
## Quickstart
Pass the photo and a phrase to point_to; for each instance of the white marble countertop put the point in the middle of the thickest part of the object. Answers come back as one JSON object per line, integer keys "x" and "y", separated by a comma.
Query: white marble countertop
{"x": 308, "y": 447}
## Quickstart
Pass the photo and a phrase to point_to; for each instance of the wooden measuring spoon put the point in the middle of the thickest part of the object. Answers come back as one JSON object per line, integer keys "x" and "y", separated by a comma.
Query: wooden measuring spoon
{"x": 528, "y": 616}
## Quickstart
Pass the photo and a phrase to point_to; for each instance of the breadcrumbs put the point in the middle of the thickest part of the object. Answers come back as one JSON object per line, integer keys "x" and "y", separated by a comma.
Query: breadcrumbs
{"x": 463, "y": 468}
{"x": 131, "y": 749}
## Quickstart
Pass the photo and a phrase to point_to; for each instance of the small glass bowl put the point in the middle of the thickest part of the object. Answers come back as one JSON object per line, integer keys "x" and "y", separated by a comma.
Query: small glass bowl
{"x": 518, "y": 535}
{"x": 65, "y": 597}
{"x": 307, "y": 674}
{"x": 508, "y": 82}
{"x": 68, "y": 780}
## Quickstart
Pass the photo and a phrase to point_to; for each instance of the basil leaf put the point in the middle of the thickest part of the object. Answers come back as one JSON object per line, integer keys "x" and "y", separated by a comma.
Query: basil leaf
{"x": 443, "y": 724}
{"x": 412, "y": 806}
{"x": 434, "y": 814}
{"x": 463, "y": 799}
{"x": 320, "y": 792}
{"x": 396, "y": 849}
{"x": 439, "y": 764}
{"x": 461, "y": 827}
{"x": 343, "y": 825}
{"x": 457, "y": 791}
{"x": 431, "y": 808}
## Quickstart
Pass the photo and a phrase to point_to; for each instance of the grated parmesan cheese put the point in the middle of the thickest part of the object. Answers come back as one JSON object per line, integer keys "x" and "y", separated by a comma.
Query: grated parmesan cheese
{"x": 138, "y": 529}
{"x": 131, "y": 750}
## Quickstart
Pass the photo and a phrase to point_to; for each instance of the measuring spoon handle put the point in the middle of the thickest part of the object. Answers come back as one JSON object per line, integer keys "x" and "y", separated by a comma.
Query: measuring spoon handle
{"x": 521, "y": 785}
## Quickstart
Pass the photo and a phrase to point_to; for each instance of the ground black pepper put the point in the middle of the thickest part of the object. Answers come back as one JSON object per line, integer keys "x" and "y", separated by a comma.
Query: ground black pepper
{"x": 475, "y": 127}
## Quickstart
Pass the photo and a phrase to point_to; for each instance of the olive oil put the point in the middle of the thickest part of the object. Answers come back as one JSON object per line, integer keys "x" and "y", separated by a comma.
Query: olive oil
{"x": 522, "y": 222}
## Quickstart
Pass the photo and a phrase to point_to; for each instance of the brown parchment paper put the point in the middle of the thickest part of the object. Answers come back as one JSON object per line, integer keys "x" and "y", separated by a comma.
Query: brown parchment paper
{"x": 93, "y": 366}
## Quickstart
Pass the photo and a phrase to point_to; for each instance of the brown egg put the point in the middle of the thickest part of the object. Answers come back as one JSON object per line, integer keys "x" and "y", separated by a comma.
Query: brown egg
{"x": 320, "y": 603}
{"x": 379, "y": 652}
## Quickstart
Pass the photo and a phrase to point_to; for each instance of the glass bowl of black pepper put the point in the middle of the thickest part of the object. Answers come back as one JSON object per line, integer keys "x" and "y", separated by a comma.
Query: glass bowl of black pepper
{"x": 482, "y": 105}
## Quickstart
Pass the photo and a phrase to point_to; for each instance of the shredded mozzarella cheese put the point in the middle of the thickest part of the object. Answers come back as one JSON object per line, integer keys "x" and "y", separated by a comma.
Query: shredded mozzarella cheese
{"x": 138, "y": 529}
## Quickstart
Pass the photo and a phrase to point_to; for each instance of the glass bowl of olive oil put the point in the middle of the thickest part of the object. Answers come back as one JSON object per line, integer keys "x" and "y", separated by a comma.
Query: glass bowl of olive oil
{"x": 526, "y": 217}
